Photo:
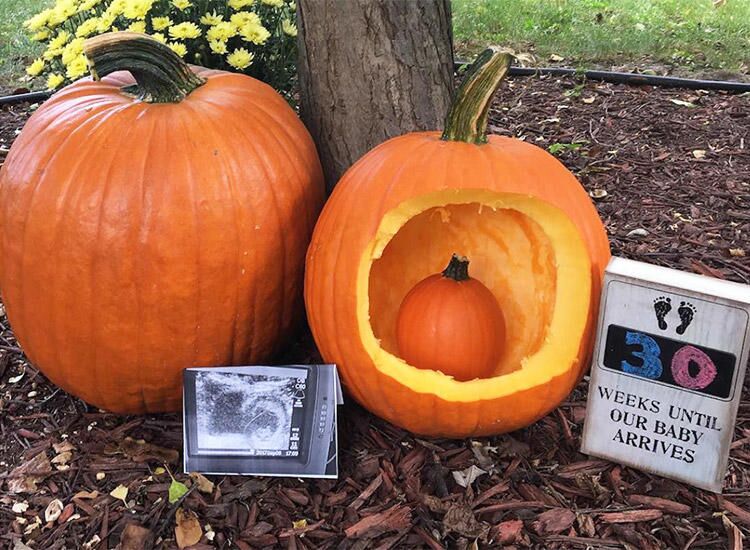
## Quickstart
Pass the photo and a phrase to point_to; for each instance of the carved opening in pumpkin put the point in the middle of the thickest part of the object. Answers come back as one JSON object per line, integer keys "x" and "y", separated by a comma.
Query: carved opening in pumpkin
{"x": 509, "y": 253}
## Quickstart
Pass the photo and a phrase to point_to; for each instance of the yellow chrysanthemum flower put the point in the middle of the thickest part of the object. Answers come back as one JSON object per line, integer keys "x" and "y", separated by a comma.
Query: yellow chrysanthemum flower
{"x": 243, "y": 18}
{"x": 117, "y": 7}
{"x": 181, "y": 4}
{"x": 36, "y": 67}
{"x": 257, "y": 34}
{"x": 137, "y": 26}
{"x": 274, "y": 3}
{"x": 187, "y": 29}
{"x": 72, "y": 51}
{"x": 38, "y": 21}
{"x": 105, "y": 22}
{"x": 218, "y": 47}
{"x": 159, "y": 37}
{"x": 88, "y": 4}
{"x": 54, "y": 80}
{"x": 221, "y": 32}
{"x": 88, "y": 27}
{"x": 40, "y": 36}
{"x": 137, "y": 9}
{"x": 211, "y": 18}
{"x": 51, "y": 53}
{"x": 240, "y": 58}
{"x": 178, "y": 48}
{"x": 160, "y": 23}
{"x": 62, "y": 12}
{"x": 77, "y": 67}
{"x": 59, "y": 40}
{"x": 239, "y": 4}
{"x": 288, "y": 27}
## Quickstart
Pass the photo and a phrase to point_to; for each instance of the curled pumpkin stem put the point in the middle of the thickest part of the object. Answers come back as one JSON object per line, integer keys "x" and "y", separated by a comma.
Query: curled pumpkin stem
{"x": 160, "y": 74}
{"x": 467, "y": 118}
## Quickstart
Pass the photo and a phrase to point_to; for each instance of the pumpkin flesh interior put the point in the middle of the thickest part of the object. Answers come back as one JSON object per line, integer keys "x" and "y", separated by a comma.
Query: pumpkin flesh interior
{"x": 527, "y": 252}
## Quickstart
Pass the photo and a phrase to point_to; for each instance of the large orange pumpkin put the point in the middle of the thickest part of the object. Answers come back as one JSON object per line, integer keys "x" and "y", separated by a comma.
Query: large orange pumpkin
{"x": 534, "y": 239}
{"x": 154, "y": 222}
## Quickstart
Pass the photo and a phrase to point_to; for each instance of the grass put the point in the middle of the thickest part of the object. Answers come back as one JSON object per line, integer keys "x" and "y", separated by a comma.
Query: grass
{"x": 691, "y": 34}
{"x": 16, "y": 51}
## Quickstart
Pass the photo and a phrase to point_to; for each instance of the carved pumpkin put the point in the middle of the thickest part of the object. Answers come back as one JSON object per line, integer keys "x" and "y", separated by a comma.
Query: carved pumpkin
{"x": 451, "y": 323}
{"x": 154, "y": 222}
{"x": 534, "y": 239}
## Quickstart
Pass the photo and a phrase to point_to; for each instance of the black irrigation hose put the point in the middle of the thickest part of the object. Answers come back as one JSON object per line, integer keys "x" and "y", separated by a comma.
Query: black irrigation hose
{"x": 632, "y": 79}
{"x": 31, "y": 97}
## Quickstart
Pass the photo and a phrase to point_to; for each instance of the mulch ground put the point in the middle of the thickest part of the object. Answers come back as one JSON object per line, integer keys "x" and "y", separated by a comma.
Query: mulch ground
{"x": 669, "y": 171}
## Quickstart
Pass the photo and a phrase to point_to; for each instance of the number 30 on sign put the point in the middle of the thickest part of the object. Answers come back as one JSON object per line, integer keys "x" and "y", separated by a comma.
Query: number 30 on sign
{"x": 670, "y": 362}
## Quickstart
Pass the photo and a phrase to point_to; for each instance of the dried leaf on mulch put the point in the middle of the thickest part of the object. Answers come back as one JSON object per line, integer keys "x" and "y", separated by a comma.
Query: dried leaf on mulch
{"x": 24, "y": 478}
{"x": 187, "y": 528}
{"x": 135, "y": 537}
{"x": 460, "y": 519}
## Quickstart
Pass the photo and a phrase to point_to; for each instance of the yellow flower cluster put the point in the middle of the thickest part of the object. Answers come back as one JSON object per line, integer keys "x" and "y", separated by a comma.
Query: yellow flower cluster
{"x": 35, "y": 68}
{"x": 184, "y": 30}
{"x": 232, "y": 29}
{"x": 240, "y": 58}
{"x": 137, "y": 9}
{"x": 288, "y": 27}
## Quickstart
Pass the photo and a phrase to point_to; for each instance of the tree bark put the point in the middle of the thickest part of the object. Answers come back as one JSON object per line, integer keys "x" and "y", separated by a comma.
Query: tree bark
{"x": 370, "y": 70}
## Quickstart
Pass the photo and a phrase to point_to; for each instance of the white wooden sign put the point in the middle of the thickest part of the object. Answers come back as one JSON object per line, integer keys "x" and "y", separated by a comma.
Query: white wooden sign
{"x": 667, "y": 371}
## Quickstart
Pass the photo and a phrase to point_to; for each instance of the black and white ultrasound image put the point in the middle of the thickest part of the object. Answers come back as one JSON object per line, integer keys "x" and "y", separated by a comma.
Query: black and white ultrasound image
{"x": 251, "y": 413}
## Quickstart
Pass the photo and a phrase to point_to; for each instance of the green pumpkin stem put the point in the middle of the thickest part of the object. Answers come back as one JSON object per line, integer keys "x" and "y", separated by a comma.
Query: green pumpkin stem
{"x": 467, "y": 118}
{"x": 160, "y": 75}
{"x": 458, "y": 268}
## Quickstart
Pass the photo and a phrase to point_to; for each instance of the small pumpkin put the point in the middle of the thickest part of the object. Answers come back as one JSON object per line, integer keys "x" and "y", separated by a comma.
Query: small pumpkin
{"x": 534, "y": 239}
{"x": 152, "y": 221}
{"x": 451, "y": 323}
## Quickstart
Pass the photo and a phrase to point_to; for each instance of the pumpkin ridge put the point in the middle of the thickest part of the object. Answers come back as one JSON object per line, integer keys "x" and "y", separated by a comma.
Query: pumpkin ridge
{"x": 197, "y": 194}
{"x": 234, "y": 354}
{"x": 244, "y": 343}
{"x": 283, "y": 149}
{"x": 310, "y": 217}
{"x": 137, "y": 258}
{"x": 198, "y": 234}
{"x": 32, "y": 200}
{"x": 280, "y": 233}
{"x": 72, "y": 195}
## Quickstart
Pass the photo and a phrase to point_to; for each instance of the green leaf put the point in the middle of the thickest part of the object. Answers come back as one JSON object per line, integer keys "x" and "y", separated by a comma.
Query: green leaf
{"x": 177, "y": 490}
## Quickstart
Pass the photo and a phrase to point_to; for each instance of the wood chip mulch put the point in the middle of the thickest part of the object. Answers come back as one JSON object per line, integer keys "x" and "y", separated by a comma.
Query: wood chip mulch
{"x": 669, "y": 171}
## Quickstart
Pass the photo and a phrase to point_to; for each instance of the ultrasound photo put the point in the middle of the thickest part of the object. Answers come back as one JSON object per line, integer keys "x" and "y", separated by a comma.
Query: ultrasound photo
{"x": 246, "y": 412}
{"x": 276, "y": 420}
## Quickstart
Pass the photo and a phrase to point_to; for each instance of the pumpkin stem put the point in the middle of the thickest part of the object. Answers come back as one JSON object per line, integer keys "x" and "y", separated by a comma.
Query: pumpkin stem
{"x": 458, "y": 268}
{"x": 467, "y": 118}
{"x": 160, "y": 75}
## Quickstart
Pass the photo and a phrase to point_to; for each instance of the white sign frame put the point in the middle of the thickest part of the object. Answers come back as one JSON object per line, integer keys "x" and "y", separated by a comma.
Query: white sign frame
{"x": 663, "y": 428}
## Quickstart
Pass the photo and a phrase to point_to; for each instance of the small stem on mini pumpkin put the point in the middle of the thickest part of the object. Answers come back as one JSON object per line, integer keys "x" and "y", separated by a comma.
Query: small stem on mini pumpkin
{"x": 467, "y": 118}
{"x": 457, "y": 269}
{"x": 161, "y": 75}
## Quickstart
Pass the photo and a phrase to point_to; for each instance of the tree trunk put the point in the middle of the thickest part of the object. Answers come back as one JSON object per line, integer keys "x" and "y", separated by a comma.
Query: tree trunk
{"x": 370, "y": 70}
